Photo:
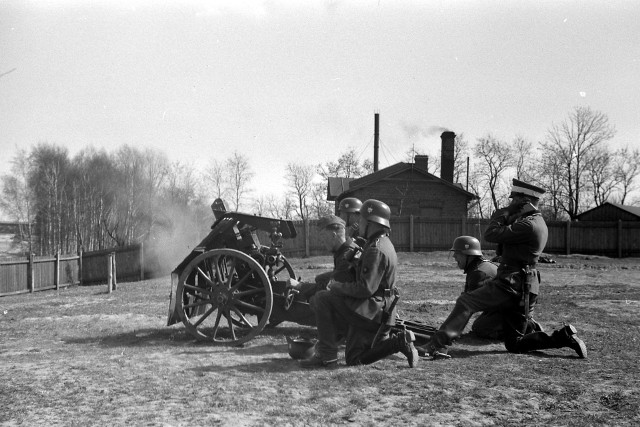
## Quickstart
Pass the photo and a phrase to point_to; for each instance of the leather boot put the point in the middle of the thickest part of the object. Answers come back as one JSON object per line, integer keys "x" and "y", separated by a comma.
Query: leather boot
{"x": 567, "y": 337}
{"x": 401, "y": 342}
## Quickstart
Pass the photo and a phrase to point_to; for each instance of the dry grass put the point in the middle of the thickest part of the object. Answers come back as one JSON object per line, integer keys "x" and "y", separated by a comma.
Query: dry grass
{"x": 81, "y": 356}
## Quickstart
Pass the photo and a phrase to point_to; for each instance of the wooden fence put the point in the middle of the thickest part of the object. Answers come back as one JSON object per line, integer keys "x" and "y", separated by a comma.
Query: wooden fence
{"x": 408, "y": 234}
{"x": 415, "y": 234}
{"x": 42, "y": 273}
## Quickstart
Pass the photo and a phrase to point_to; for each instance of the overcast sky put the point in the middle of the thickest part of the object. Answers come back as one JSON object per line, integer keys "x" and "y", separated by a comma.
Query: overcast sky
{"x": 285, "y": 81}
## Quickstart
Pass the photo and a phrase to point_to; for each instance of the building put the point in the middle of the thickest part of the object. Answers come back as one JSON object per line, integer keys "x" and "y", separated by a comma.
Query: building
{"x": 611, "y": 212}
{"x": 409, "y": 189}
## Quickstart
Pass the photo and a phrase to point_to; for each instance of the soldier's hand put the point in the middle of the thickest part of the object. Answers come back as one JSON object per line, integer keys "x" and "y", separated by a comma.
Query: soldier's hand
{"x": 293, "y": 283}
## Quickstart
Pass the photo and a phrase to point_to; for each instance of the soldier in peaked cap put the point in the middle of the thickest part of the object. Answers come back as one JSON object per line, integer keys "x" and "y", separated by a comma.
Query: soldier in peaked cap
{"x": 521, "y": 231}
{"x": 365, "y": 303}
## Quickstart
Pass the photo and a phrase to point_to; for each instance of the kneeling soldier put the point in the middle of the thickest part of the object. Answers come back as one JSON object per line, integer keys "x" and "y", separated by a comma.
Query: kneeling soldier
{"x": 364, "y": 304}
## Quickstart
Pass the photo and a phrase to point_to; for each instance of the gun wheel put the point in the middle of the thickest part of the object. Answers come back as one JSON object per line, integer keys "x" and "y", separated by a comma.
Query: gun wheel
{"x": 225, "y": 297}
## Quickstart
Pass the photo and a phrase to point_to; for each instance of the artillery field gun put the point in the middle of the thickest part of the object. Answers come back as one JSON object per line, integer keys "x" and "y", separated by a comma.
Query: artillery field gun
{"x": 230, "y": 287}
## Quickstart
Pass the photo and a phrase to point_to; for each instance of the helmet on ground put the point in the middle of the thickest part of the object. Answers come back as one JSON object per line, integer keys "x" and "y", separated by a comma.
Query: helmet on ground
{"x": 300, "y": 348}
{"x": 467, "y": 245}
{"x": 376, "y": 211}
{"x": 350, "y": 205}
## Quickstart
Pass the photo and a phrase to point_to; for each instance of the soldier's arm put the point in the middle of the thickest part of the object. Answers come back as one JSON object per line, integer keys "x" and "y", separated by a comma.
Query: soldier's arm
{"x": 499, "y": 231}
{"x": 368, "y": 277}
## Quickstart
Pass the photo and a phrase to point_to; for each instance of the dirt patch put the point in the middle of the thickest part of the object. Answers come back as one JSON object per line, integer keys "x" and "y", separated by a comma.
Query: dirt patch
{"x": 81, "y": 356}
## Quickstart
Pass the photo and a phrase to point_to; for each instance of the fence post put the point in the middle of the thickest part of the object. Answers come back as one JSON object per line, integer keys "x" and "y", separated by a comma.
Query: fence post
{"x": 30, "y": 273}
{"x": 567, "y": 238}
{"x": 306, "y": 237}
{"x": 141, "y": 261}
{"x": 619, "y": 238}
{"x": 80, "y": 266}
{"x": 115, "y": 271}
{"x": 411, "y": 229}
{"x": 56, "y": 271}
{"x": 109, "y": 274}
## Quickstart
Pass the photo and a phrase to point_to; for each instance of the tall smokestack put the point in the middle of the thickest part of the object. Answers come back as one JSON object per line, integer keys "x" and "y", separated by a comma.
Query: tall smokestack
{"x": 448, "y": 147}
{"x": 376, "y": 139}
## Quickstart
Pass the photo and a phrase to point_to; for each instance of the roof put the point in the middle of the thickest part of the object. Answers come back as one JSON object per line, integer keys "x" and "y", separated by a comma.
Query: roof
{"x": 633, "y": 210}
{"x": 393, "y": 170}
{"x": 337, "y": 186}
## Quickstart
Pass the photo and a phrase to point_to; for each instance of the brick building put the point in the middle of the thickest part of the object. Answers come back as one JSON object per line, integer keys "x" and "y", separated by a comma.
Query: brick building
{"x": 409, "y": 189}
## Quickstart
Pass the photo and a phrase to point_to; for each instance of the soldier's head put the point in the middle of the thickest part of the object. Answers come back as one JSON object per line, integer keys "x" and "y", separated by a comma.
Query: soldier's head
{"x": 331, "y": 232}
{"x": 522, "y": 193}
{"x": 465, "y": 249}
{"x": 349, "y": 210}
{"x": 374, "y": 216}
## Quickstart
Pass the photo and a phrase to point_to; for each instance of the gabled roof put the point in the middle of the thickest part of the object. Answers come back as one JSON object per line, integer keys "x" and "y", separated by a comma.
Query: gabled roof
{"x": 394, "y": 170}
{"x": 633, "y": 210}
{"x": 337, "y": 186}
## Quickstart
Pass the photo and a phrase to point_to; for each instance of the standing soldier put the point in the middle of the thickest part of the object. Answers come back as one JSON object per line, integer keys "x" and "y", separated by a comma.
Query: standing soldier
{"x": 522, "y": 232}
{"x": 364, "y": 304}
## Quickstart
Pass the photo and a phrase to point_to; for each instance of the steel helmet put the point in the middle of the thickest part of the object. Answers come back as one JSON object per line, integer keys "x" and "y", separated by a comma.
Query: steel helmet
{"x": 376, "y": 211}
{"x": 350, "y": 205}
{"x": 467, "y": 245}
{"x": 300, "y": 348}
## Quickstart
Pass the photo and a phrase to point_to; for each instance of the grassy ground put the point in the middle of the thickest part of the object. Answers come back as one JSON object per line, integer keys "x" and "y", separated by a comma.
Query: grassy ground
{"x": 81, "y": 356}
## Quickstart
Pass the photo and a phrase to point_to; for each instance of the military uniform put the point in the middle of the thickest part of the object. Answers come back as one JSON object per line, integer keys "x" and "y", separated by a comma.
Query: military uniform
{"x": 359, "y": 303}
{"x": 344, "y": 264}
{"x": 523, "y": 239}
{"x": 365, "y": 305}
{"x": 489, "y": 323}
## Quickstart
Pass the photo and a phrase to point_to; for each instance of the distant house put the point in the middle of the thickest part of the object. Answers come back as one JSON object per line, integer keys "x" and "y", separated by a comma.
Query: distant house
{"x": 611, "y": 212}
{"x": 409, "y": 189}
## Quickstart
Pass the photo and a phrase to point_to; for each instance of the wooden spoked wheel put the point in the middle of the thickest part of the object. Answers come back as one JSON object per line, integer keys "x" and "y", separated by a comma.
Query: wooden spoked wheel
{"x": 225, "y": 297}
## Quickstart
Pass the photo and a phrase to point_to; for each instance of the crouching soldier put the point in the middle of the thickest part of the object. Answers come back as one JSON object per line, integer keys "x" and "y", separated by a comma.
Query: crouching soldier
{"x": 365, "y": 304}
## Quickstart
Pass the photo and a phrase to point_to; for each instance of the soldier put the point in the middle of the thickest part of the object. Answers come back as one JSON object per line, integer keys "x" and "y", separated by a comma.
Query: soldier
{"x": 349, "y": 210}
{"x": 522, "y": 232}
{"x": 364, "y": 303}
{"x": 468, "y": 255}
{"x": 332, "y": 234}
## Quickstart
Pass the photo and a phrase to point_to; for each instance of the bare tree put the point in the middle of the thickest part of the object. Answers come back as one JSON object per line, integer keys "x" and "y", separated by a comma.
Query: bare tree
{"x": 494, "y": 158}
{"x": 18, "y": 198}
{"x": 572, "y": 142}
{"x": 240, "y": 175}
{"x": 548, "y": 171}
{"x": 348, "y": 165}
{"x": 319, "y": 204}
{"x": 300, "y": 180}
{"x": 217, "y": 179}
{"x": 602, "y": 180}
{"x": 626, "y": 170}
{"x": 524, "y": 159}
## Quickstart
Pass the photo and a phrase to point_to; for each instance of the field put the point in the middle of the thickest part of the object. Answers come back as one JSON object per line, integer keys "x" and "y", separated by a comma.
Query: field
{"x": 82, "y": 356}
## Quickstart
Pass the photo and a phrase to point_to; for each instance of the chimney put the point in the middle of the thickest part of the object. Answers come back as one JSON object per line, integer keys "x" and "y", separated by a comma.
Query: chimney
{"x": 376, "y": 139}
{"x": 448, "y": 147}
{"x": 422, "y": 161}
